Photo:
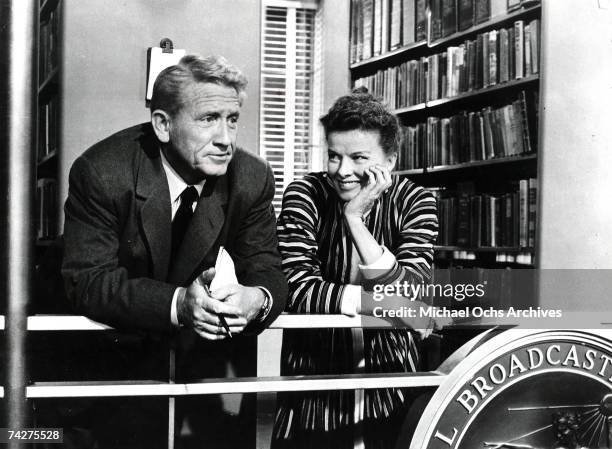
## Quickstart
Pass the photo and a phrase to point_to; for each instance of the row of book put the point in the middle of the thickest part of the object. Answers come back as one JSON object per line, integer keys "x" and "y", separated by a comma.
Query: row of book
{"x": 49, "y": 41}
{"x": 380, "y": 26}
{"x": 492, "y": 58}
{"x": 500, "y": 288}
{"x": 501, "y": 219}
{"x": 46, "y": 208}
{"x": 488, "y": 133}
{"x": 48, "y": 127}
{"x": 452, "y": 16}
{"x": 469, "y": 257}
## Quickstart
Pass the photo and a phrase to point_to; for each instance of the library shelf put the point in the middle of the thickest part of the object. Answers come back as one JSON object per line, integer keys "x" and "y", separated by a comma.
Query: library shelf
{"x": 504, "y": 117}
{"x": 518, "y": 159}
{"x": 409, "y": 172}
{"x": 486, "y": 91}
{"x": 375, "y": 60}
{"x": 484, "y": 163}
{"x": 484, "y": 249}
{"x": 409, "y": 109}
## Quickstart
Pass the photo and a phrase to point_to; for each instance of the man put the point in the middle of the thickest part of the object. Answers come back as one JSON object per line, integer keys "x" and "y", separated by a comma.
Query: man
{"x": 149, "y": 207}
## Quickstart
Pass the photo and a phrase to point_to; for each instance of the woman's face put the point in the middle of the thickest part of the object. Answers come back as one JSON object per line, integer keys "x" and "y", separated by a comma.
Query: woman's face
{"x": 349, "y": 154}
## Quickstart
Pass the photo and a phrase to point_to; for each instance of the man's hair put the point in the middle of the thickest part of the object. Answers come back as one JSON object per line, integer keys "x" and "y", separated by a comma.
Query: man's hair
{"x": 172, "y": 81}
{"x": 361, "y": 110}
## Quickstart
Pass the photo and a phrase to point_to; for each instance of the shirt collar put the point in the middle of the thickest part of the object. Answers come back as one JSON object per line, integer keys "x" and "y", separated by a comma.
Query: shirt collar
{"x": 176, "y": 184}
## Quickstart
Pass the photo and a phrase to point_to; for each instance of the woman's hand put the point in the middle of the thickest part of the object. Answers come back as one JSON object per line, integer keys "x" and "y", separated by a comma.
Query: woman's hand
{"x": 379, "y": 180}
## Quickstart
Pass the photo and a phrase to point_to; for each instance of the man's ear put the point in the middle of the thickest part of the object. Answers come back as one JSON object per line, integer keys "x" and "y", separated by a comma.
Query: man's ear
{"x": 391, "y": 160}
{"x": 161, "y": 125}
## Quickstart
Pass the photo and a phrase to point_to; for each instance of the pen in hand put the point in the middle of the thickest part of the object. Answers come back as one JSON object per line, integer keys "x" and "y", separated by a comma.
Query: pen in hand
{"x": 221, "y": 317}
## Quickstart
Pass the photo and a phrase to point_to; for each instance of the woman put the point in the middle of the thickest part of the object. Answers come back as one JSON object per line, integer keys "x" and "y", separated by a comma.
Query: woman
{"x": 340, "y": 233}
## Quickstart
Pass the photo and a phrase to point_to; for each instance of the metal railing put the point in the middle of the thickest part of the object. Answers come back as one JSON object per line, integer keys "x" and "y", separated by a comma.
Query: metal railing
{"x": 259, "y": 384}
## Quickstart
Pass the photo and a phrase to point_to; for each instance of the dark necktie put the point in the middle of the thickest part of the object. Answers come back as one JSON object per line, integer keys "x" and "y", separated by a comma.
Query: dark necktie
{"x": 182, "y": 219}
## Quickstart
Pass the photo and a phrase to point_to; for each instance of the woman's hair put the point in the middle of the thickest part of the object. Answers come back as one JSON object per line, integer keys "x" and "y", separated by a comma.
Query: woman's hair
{"x": 361, "y": 110}
{"x": 172, "y": 81}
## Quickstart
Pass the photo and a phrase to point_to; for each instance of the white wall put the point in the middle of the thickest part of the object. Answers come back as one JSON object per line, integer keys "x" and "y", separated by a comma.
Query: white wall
{"x": 575, "y": 224}
{"x": 104, "y": 69}
{"x": 575, "y": 163}
{"x": 336, "y": 16}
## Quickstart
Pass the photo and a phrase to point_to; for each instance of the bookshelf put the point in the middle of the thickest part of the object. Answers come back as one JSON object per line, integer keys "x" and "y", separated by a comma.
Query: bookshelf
{"x": 467, "y": 96}
{"x": 48, "y": 144}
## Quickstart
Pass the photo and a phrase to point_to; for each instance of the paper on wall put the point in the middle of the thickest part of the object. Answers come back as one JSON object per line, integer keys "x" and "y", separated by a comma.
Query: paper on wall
{"x": 158, "y": 62}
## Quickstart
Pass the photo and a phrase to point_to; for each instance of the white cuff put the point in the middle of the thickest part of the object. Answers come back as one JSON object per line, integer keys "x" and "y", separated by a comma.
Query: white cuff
{"x": 384, "y": 263}
{"x": 350, "y": 299}
{"x": 173, "y": 308}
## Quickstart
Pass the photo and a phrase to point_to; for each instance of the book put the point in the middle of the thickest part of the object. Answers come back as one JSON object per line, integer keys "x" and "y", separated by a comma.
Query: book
{"x": 435, "y": 7}
{"x": 449, "y": 17}
{"x": 503, "y": 56}
{"x": 534, "y": 45}
{"x": 385, "y": 26}
{"x": 465, "y": 14}
{"x": 482, "y": 11}
{"x": 498, "y": 8}
{"x": 518, "y": 127}
{"x": 493, "y": 59}
{"x": 353, "y": 32}
{"x": 507, "y": 225}
{"x": 486, "y": 60}
{"x": 529, "y": 119}
{"x": 466, "y": 190}
{"x": 476, "y": 221}
{"x": 513, "y": 5}
{"x": 360, "y": 39}
{"x": 377, "y": 28}
{"x": 532, "y": 185}
{"x": 368, "y": 16}
{"x": 519, "y": 45}
{"x": 527, "y": 49}
{"x": 421, "y": 20}
{"x": 395, "y": 34}
{"x": 487, "y": 114}
{"x": 479, "y": 69}
{"x": 523, "y": 211}
{"x": 408, "y": 21}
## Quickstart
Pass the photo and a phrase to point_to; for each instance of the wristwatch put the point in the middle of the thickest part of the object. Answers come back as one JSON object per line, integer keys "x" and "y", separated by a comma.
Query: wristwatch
{"x": 266, "y": 306}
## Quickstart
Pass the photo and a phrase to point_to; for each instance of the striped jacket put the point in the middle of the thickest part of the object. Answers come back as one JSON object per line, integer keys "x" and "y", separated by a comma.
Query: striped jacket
{"x": 316, "y": 249}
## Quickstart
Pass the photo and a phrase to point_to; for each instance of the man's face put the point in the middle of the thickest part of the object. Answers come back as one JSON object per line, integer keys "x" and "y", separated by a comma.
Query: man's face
{"x": 202, "y": 135}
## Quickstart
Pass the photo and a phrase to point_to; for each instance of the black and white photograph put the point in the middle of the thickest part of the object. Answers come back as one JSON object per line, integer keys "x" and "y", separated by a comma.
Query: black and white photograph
{"x": 309, "y": 224}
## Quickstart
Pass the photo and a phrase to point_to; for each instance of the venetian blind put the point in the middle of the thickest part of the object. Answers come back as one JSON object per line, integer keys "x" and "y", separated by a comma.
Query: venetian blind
{"x": 287, "y": 57}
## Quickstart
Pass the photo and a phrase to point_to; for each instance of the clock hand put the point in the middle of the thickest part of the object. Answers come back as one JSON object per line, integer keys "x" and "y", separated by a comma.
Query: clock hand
{"x": 549, "y": 407}
{"x": 508, "y": 444}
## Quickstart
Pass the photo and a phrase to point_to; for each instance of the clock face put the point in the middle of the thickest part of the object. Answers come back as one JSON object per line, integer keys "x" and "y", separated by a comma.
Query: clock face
{"x": 524, "y": 389}
{"x": 521, "y": 415}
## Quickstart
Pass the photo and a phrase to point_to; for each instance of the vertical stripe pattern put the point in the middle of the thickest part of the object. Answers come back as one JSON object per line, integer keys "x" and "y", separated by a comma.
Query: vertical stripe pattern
{"x": 316, "y": 249}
